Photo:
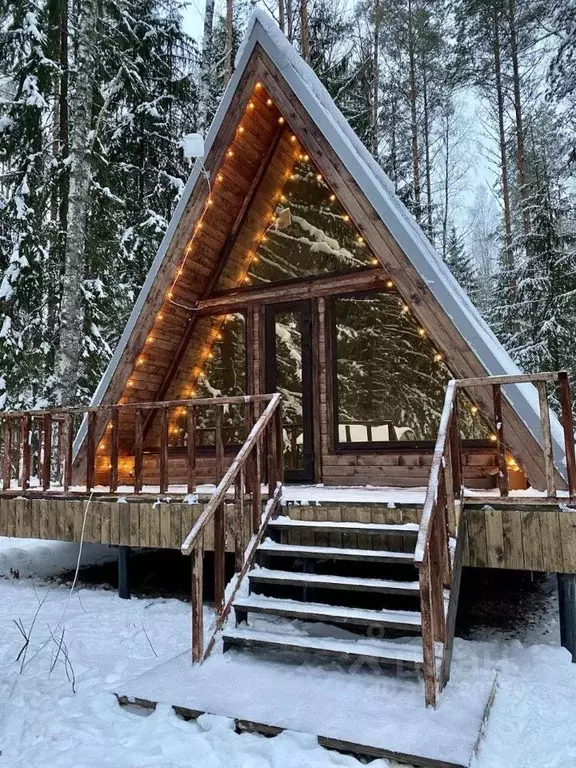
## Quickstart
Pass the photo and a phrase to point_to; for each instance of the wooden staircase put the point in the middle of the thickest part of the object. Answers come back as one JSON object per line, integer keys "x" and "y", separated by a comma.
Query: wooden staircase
{"x": 371, "y": 592}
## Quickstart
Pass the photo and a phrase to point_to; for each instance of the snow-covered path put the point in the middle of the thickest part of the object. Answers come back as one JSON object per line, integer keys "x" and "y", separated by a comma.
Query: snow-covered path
{"x": 108, "y": 640}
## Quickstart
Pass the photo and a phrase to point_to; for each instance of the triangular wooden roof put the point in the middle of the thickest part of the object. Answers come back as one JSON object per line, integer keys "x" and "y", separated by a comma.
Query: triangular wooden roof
{"x": 194, "y": 260}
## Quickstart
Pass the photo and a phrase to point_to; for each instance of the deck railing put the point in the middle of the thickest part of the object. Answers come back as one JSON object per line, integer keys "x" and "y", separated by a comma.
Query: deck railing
{"x": 248, "y": 524}
{"x": 37, "y": 445}
{"x": 439, "y": 549}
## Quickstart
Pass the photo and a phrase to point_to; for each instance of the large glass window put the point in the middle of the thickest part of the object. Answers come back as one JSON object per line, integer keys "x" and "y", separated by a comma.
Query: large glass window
{"x": 390, "y": 380}
{"x": 220, "y": 348}
{"x": 316, "y": 237}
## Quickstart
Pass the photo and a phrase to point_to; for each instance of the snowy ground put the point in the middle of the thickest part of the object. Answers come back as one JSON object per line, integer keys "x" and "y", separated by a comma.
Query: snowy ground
{"x": 43, "y": 722}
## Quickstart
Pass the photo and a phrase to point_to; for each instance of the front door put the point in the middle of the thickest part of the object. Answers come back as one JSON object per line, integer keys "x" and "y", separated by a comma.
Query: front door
{"x": 288, "y": 370}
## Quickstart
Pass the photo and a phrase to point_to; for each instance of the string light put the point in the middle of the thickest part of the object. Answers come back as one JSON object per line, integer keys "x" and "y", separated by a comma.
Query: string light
{"x": 474, "y": 410}
{"x": 437, "y": 357}
{"x": 360, "y": 240}
{"x": 293, "y": 139}
{"x": 389, "y": 284}
{"x": 493, "y": 437}
{"x": 251, "y": 105}
{"x": 140, "y": 361}
{"x": 149, "y": 340}
{"x": 306, "y": 158}
{"x": 318, "y": 177}
{"x": 281, "y": 120}
{"x": 405, "y": 308}
{"x": 230, "y": 153}
{"x": 421, "y": 332}
{"x": 269, "y": 102}
{"x": 346, "y": 218}
{"x": 258, "y": 86}
{"x": 374, "y": 261}
{"x": 130, "y": 383}
{"x": 240, "y": 129}
{"x": 332, "y": 198}
{"x": 159, "y": 316}
{"x": 220, "y": 177}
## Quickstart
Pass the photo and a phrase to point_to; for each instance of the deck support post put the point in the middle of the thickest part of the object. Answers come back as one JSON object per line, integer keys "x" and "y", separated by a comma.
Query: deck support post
{"x": 123, "y": 573}
{"x": 567, "y": 609}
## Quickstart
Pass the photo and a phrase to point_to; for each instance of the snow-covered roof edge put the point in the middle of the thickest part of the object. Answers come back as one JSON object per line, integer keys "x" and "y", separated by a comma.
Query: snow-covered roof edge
{"x": 379, "y": 190}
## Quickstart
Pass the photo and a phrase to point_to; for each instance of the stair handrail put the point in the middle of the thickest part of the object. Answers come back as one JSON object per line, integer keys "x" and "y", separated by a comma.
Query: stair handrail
{"x": 245, "y": 475}
{"x": 434, "y": 554}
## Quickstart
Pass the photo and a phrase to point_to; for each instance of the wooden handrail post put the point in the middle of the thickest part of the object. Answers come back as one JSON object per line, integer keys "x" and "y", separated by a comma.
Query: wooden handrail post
{"x": 219, "y": 522}
{"x": 272, "y": 468}
{"x": 546, "y": 438}
{"x": 114, "y": 451}
{"x": 191, "y": 448}
{"x": 239, "y": 524}
{"x": 138, "y": 449}
{"x": 568, "y": 426}
{"x": 503, "y": 482}
{"x": 456, "y": 450}
{"x": 279, "y": 443}
{"x": 67, "y": 450}
{"x": 90, "y": 450}
{"x": 197, "y": 557}
{"x": 256, "y": 487}
{"x": 163, "y": 449}
{"x": 47, "y": 457}
{"x": 25, "y": 450}
{"x": 7, "y": 459}
{"x": 428, "y": 649}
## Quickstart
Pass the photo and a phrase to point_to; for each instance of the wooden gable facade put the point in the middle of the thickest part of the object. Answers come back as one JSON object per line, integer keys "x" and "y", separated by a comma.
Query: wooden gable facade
{"x": 205, "y": 282}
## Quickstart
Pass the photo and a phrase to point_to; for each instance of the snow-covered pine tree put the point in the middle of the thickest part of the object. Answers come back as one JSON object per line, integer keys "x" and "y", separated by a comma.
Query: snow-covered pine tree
{"x": 460, "y": 264}
{"x": 29, "y": 172}
{"x": 147, "y": 102}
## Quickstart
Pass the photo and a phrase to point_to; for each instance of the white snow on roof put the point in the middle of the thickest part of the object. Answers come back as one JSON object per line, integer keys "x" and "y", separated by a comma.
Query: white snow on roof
{"x": 377, "y": 187}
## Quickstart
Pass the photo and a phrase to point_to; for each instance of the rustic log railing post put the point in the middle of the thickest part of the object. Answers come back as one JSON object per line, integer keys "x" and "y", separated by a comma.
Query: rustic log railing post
{"x": 114, "y": 451}
{"x": 191, "y": 448}
{"x": 25, "y": 451}
{"x": 7, "y": 459}
{"x": 568, "y": 426}
{"x": 59, "y": 448}
{"x": 239, "y": 524}
{"x": 90, "y": 449}
{"x": 197, "y": 556}
{"x": 163, "y": 459}
{"x": 67, "y": 445}
{"x": 546, "y": 438}
{"x": 256, "y": 488}
{"x": 503, "y": 481}
{"x": 47, "y": 455}
{"x": 138, "y": 449}
{"x": 219, "y": 521}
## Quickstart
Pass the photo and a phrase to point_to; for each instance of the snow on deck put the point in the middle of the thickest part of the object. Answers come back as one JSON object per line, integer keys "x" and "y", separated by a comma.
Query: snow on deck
{"x": 362, "y": 707}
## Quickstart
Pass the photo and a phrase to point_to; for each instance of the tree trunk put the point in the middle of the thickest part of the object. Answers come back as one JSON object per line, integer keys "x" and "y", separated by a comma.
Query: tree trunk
{"x": 205, "y": 65}
{"x": 282, "y": 16}
{"x": 80, "y": 106}
{"x": 376, "y": 76}
{"x": 414, "y": 116}
{"x": 508, "y": 252}
{"x": 229, "y": 39}
{"x": 290, "y": 19}
{"x": 520, "y": 138}
{"x": 445, "y": 217}
{"x": 428, "y": 170}
{"x": 304, "y": 30}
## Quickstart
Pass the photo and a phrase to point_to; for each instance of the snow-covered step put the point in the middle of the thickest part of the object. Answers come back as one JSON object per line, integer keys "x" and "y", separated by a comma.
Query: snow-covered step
{"x": 336, "y": 553}
{"x": 325, "y": 581}
{"x": 388, "y": 653}
{"x": 401, "y": 529}
{"x": 292, "y": 609}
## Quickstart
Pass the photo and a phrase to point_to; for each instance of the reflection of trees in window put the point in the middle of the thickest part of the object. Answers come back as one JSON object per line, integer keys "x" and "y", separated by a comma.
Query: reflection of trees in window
{"x": 391, "y": 383}
{"x": 223, "y": 375}
{"x": 321, "y": 238}
{"x": 288, "y": 334}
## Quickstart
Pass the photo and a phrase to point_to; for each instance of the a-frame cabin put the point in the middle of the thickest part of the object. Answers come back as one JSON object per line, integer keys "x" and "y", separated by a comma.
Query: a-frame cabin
{"x": 297, "y": 327}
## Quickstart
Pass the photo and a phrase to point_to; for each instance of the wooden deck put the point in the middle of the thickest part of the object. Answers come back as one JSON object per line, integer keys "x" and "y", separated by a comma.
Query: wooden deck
{"x": 524, "y": 536}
